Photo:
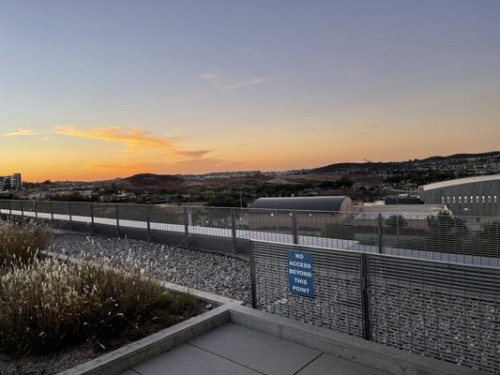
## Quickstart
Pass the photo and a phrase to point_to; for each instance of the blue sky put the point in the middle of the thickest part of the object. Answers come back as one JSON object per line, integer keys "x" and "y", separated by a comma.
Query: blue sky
{"x": 97, "y": 89}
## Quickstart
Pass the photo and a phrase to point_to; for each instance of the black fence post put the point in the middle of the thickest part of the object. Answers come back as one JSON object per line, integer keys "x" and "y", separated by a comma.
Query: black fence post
{"x": 117, "y": 212}
{"x": 233, "y": 231}
{"x": 295, "y": 229}
{"x": 69, "y": 212}
{"x": 22, "y": 208}
{"x": 148, "y": 223}
{"x": 380, "y": 239}
{"x": 36, "y": 210}
{"x": 10, "y": 209}
{"x": 186, "y": 226}
{"x": 51, "y": 205}
{"x": 92, "y": 226}
{"x": 253, "y": 278}
{"x": 365, "y": 309}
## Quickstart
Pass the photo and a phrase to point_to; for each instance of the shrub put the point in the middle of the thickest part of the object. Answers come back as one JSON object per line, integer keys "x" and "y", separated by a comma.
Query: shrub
{"x": 47, "y": 304}
{"x": 337, "y": 230}
{"x": 396, "y": 223}
{"x": 20, "y": 242}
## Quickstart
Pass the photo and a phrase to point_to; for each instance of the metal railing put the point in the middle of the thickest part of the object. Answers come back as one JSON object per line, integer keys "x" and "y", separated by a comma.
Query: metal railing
{"x": 442, "y": 310}
{"x": 437, "y": 236}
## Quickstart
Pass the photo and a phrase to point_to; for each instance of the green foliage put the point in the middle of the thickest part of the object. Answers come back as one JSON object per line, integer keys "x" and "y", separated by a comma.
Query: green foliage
{"x": 396, "y": 222}
{"x": 491, "y": 237}
{"x": 440, "y": 234}
{"x": 441, "y": 224}
{"x": 19, "y": 242}
{"x": 338, "y": 230}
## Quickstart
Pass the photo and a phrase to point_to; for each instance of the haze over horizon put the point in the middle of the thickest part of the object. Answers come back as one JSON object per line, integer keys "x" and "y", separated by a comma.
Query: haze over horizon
{"x": 98, "y": 89}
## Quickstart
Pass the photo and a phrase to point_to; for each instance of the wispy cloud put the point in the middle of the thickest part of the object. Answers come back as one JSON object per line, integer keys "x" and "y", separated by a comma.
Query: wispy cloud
{"x": 145, "y": 166}
{"x": 19, "y": 132}
{"x": 218, "y": 81}
{"x": 250, "y": 82}
{"x": 134, "y": 138}
{"x": 194, "y": 154}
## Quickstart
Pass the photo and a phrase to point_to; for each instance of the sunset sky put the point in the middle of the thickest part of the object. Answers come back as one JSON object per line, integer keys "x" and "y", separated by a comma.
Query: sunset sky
{"x": 95, "y": 89}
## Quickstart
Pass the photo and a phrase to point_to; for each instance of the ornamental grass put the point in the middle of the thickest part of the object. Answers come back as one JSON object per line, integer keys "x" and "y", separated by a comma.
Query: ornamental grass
{"x": 48, "y": 303}
{"x": 19, "y": 242}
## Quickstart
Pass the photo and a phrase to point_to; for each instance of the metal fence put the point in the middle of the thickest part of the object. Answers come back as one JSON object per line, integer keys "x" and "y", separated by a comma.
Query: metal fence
{"x": 437, "y": 236}
{"x": 442, "y": 310}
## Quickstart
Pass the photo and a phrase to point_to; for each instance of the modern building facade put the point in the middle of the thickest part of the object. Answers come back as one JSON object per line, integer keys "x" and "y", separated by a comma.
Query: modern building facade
{"x": 12, "y": 182}
{"x": 471, "y": 196}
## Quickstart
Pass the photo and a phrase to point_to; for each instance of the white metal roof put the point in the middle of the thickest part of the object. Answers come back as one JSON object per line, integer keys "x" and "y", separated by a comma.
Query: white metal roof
{"x": 460, "y": 181}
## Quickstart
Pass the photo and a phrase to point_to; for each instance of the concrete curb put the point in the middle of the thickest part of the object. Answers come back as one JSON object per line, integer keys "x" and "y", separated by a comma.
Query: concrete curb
{"x": 378, "y": 356}
{"x": 140, "y": 351}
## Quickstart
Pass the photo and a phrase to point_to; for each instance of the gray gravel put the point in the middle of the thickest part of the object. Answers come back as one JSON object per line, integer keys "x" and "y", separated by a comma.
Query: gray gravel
{"x": 214, "y": 273}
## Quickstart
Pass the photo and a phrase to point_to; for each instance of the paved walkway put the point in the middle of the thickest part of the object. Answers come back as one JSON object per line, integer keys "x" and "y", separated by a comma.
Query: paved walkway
{"x": 235, "y": 350}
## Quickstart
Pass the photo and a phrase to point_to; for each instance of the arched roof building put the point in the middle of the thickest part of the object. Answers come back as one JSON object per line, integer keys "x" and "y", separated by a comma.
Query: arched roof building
{"x": 328, "y": 203}
{"x": 473, "y": 196}
{"x": 308, "y": 214}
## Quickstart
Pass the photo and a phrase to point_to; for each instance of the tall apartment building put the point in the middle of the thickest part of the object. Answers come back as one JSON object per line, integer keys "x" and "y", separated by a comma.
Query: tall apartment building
{"x": 12, "y": 182}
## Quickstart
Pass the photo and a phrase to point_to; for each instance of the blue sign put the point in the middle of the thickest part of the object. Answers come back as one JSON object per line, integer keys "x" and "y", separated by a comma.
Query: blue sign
{"x": 300, "y": 273}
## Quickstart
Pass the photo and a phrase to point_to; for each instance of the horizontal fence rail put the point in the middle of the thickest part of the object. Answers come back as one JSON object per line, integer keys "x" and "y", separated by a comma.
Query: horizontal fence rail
{"x": 442, "y": 310}
{"x": 437, "y": 236}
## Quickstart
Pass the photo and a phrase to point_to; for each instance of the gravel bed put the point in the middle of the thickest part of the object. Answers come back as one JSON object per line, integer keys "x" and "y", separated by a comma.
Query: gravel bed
{"x": 214, "y": 273}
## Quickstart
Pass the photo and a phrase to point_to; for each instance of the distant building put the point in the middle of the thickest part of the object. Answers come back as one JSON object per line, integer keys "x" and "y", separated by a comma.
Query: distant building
{"x": 12, "y": 182}
{"x": 471, "y": 196}
{"x": 308, "y": 213}
{"x": 415, "y": 215}
{"x": 402, "y": 199}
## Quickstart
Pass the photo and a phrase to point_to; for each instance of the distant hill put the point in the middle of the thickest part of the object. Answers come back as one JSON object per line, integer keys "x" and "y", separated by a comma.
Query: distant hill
{"x": 373, "y": 166}
{"x": 150, "y": 181}
{"x": 463, "y": 156}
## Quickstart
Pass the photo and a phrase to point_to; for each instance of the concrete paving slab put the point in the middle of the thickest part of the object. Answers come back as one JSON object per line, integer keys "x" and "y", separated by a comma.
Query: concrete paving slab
{"x": 264, "y": 353}
{"x": 328, "y": 364}
{"x": 187, "y": 359}
{"x": 131, "y": 372}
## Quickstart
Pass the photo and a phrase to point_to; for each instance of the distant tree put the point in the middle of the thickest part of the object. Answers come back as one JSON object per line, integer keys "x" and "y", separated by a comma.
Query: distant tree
{"x": 440, "y": 232}
{"x": 442, "y": 223}
{"x": 345, "y": 182}
{"x": 491, "y": 233}
{"x": 396, "y": 222}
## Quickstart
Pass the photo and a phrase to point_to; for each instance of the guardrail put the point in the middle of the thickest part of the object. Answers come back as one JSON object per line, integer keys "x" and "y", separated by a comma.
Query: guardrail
{"x": 438, "y": 236}
{"x": 442, "y": 310}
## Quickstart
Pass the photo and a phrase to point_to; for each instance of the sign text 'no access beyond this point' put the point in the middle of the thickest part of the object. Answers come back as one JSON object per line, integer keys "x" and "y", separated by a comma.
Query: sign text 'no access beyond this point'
{"x": 300, "y": 279}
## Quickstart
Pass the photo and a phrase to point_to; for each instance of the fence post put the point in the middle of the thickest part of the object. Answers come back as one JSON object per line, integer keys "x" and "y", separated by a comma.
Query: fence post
{"x": 380, "y": 240}
{"x": 69, "y": 212}
{"x": 10, "y": 209}
{"x": 22, "y": 208}
{"x": 92, "y": 218}
{"x": 253, "y": 279}
{"x": 295, "y": 230}
{"x": 233, "y": 231}
{"x": 148, "y": 223}
{"x": 186, "y": 226}
{"x": 117, "y": 212}
{"x": 51, "y": 205}
{"x": 364, "y": 298}
{"x": 36, "y": 211}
